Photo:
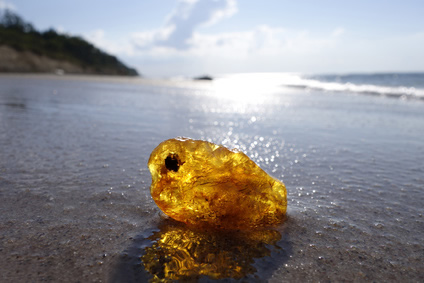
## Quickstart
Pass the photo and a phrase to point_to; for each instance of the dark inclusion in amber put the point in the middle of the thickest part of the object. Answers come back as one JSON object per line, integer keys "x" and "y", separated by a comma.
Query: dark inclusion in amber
{"x": 204, "y": 184}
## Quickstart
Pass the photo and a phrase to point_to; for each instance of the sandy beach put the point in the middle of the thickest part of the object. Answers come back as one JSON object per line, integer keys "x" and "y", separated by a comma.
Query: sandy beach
{"x": 74, "y": 183}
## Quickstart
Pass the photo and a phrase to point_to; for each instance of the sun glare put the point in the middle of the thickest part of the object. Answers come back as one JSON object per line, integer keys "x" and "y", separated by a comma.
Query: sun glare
{"x": 250, "y": 88}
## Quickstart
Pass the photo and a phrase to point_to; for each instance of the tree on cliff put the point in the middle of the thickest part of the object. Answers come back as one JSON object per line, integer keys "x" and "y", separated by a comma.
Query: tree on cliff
{"x": 22, "y": 36}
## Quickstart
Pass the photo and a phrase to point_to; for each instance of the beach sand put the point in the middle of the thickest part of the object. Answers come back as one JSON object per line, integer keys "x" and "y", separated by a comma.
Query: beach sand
{"x": 74, "y": 182}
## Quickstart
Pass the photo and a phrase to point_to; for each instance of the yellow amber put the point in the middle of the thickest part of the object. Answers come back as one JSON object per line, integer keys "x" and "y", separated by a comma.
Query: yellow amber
{"x": 180, "y": 253}
{"x": 201, "y": 183}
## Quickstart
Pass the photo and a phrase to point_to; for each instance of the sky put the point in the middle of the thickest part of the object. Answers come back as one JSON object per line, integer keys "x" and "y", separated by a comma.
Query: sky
{"x": 165, "y": 38}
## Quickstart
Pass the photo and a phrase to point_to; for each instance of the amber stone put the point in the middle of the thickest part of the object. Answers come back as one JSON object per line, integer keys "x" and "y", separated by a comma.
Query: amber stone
{"x": 201, "y": 183}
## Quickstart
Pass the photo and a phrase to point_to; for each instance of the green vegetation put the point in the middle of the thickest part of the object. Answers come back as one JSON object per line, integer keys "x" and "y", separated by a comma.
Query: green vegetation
{"x": 22, "y": 36}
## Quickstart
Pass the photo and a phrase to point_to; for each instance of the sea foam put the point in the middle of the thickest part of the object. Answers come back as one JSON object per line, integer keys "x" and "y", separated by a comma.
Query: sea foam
{"x": 357, "y": 87}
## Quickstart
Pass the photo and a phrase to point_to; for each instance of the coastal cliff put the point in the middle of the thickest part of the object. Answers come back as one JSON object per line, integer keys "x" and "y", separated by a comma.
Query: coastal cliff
{"x": 24, "y": 49}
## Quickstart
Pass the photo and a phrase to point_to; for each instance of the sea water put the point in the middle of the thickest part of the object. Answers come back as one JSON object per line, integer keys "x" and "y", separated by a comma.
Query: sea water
{"x": 74, "y": 184}
{"x": 404, "y": 85}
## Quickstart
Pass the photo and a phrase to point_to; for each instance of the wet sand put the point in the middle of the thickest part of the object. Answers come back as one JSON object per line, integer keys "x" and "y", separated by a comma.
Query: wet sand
{"x": 74, "y": 184}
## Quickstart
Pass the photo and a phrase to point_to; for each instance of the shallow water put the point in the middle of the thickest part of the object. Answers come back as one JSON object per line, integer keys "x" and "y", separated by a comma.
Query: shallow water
{"x": 75, "y": 194}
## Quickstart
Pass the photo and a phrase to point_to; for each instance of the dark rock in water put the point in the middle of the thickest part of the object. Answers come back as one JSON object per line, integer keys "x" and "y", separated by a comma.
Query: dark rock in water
{"x": 204, "y": 78}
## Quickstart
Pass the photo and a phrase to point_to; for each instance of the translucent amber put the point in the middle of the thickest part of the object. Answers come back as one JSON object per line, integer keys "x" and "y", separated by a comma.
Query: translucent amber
{"x": 201, "y": 183}
{"x": 184, "y": 254}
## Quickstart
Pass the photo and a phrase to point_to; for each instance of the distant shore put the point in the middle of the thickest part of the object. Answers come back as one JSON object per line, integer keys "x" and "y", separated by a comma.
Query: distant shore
{"x": 106, "y": 78}
{"x": 25, "y": 49}
{"x": 13, "y": 61}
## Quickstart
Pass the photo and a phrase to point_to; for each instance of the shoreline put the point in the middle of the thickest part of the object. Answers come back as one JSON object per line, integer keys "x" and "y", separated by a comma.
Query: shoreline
{"x": 105, "y": 78}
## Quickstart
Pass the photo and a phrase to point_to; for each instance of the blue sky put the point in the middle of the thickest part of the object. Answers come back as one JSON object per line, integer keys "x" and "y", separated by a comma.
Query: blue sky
{"x": 191, "y": 37}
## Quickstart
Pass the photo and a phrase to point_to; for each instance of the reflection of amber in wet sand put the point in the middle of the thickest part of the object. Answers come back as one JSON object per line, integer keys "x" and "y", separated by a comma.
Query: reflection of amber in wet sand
{"x": 180, "y": 253}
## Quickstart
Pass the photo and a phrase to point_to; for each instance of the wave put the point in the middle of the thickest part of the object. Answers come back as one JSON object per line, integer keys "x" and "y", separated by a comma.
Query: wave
{"x": 392, "y": 91}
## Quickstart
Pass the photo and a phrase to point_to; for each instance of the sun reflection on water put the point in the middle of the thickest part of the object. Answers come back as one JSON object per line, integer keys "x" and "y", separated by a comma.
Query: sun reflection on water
{"x": 247, "y": 88}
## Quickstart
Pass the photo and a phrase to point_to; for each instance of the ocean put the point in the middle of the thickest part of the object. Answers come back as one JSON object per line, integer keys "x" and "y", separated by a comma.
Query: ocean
{"x": 403, "y": 85}
{"x": 74, "y": 182}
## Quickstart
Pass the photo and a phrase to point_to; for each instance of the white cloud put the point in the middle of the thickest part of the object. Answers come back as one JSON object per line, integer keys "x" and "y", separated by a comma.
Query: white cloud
{"x": 179, "y": 42}
{"x": 6, "y": 5}
{"x": 118, "y": 46}
{"x": 226, "y": 11}
{"x": 260, "y": 41}
{"x": 392, "y": 53}
{"x": 181, "y": 47}
{"x": 179, "y": 39}
{"x": 264, "y": 48}
{"x": 182, "y": 22}
{"x": 338, "y": 31}
{"x": 60, "y": 29}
